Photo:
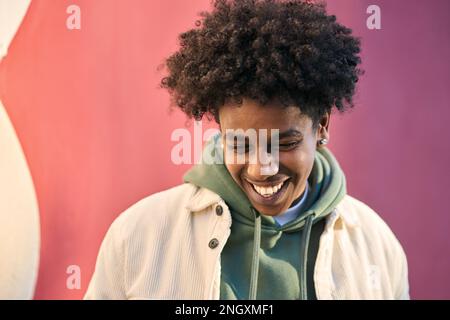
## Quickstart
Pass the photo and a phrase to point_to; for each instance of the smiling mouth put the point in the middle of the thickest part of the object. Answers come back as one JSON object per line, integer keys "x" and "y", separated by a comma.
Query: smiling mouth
{"x": 269, "y": 191}
{"x": 267, "y": 194}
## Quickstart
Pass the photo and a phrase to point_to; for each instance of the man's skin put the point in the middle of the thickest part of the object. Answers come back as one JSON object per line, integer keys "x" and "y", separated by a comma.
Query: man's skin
{"x": 298, "y": 140}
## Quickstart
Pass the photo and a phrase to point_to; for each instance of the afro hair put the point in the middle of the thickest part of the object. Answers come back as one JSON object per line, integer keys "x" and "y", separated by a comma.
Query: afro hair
{"x": 263, "y": 50}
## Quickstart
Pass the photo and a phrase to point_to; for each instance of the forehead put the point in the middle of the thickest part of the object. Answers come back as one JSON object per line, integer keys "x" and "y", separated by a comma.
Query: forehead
{"x": 252, "y": 115}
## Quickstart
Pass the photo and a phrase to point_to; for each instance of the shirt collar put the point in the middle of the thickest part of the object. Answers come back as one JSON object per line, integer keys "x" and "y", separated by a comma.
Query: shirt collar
{"x": 293, "y": 212}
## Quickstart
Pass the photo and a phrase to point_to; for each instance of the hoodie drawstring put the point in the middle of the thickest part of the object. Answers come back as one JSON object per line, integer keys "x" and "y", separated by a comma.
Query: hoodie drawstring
{"x": 304, "y": 255}
{"x": 255, "y": 256}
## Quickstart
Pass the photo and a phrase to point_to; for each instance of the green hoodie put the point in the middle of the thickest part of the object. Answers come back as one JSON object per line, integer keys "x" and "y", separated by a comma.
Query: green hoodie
{"x": 259, "y": 251}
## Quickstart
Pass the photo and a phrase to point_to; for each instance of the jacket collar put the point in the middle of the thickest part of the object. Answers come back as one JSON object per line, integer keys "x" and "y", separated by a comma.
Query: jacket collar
{"x": 202, "y": 199}
{"x": 347, "y": 215}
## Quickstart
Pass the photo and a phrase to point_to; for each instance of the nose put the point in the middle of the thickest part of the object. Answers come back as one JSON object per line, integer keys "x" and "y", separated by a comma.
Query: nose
{"x": 265, "y": 165}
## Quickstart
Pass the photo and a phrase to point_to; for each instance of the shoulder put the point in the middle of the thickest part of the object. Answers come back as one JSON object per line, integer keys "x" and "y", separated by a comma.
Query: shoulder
{"x": 356, "y": 213}
{"x": 154, "y": 211}
{"x": 373, "y": 240}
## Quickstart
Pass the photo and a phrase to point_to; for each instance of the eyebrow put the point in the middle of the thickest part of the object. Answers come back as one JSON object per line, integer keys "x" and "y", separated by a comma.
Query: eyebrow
{"x": 285, "y": 134}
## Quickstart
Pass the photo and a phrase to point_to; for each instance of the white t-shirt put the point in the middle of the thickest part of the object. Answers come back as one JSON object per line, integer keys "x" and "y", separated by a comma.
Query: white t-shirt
{"x": 293, "y": 212}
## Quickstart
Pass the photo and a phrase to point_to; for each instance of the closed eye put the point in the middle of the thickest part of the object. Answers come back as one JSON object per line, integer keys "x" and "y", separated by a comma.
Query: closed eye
{"x": 290, "y": 145}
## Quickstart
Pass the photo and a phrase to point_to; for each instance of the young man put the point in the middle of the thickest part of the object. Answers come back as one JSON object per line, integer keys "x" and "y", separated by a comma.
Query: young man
{"x": 275, "y": 225}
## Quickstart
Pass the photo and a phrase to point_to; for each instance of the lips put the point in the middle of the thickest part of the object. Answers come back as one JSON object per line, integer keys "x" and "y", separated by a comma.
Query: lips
{"x": 266, "y": 194}
{"x": 268, "y": 191}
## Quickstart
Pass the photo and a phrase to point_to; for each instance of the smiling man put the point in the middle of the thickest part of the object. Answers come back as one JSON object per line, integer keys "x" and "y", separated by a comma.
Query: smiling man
{"x": 272, "y": 218}
{"x": 297, "y": 142}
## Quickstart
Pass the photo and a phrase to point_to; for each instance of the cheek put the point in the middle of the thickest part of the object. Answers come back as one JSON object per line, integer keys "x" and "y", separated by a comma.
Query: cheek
{"x": 300, "y": 164}
{"x": 297, "y": 161}
{"x": 235, "y": 171}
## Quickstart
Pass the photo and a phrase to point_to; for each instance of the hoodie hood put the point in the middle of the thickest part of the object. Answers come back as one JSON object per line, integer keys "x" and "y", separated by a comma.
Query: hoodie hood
{"x": 327, "y": 188}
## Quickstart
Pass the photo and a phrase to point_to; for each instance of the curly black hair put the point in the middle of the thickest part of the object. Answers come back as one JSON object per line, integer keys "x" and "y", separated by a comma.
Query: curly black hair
{"x": 292, "y": 51}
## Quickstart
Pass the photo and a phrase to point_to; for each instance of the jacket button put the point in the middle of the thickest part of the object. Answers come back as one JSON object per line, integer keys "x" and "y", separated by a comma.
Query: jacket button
{"x": 219, "y": 210}
{"x": 213, "y": 243}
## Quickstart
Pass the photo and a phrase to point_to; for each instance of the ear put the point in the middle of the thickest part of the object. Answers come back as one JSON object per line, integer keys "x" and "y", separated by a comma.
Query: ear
{"x": 322, "y": 128}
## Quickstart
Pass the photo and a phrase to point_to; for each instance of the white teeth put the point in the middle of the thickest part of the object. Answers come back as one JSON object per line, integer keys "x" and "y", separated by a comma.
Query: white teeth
{"x": 268, "y": 191}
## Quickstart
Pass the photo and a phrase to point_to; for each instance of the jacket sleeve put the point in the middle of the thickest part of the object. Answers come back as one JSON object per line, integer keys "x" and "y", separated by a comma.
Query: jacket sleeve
{"x": 108, "y": 279}
{"x": 402, "y": 292}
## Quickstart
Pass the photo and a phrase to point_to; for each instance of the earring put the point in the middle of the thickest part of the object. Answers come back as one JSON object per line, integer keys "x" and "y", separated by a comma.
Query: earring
{"x": 323, "y": 142}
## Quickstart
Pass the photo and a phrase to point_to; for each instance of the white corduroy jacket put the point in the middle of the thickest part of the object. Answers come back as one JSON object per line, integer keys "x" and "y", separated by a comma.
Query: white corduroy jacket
{"x": 160, "y": 248}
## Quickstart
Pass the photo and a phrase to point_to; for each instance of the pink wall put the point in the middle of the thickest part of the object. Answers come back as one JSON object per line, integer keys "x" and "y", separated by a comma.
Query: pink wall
{"x": 96, "y": 130}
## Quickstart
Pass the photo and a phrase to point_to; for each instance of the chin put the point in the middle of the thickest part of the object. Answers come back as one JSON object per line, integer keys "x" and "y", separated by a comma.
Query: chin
{"x": 272, "y": 212}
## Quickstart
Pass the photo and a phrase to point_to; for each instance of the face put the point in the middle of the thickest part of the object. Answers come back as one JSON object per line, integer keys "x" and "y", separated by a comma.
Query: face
{"x": 272, "y": 191}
